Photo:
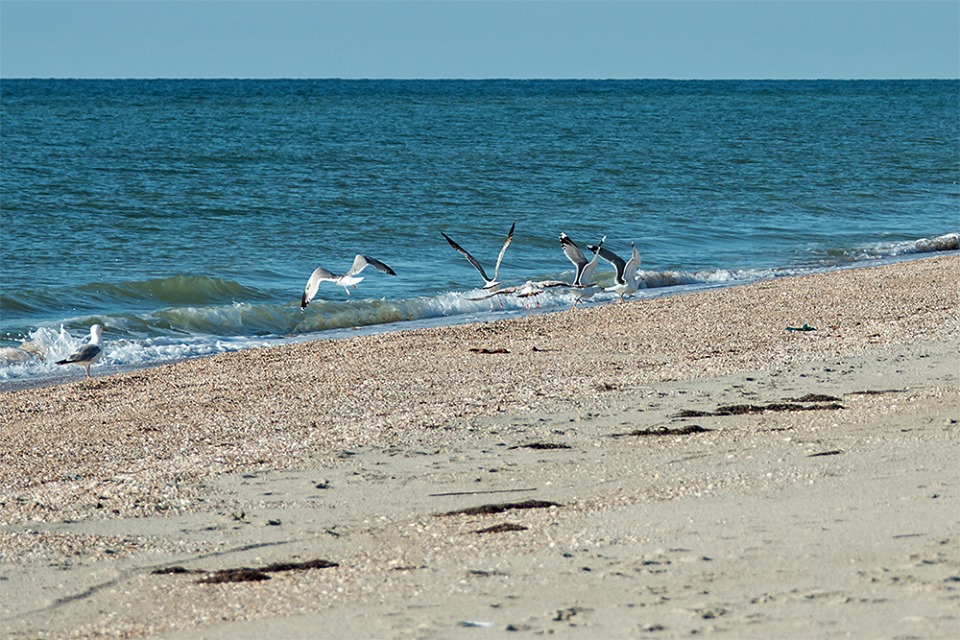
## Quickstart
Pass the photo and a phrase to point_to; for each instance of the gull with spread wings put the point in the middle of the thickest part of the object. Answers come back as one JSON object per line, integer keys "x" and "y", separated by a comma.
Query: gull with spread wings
{"x": 345, "y": 280}
{"x": 490, "y": 284}
{"x": 627, "y": 281}
{"x": 583, "y": 280}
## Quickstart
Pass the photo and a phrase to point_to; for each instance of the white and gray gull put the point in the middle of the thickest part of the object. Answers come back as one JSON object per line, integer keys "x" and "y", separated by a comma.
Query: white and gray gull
{"x": 583, "y": 280}
{"x": 627, "y": 281}
{"x": 346, "y": 280}
{"x": 88, "y": 353}
{"x": 491, "y": 284}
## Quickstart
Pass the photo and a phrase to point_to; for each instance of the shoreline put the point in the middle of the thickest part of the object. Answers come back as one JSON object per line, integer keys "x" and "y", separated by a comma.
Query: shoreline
{"x": 62, "y": 378}
{"x": 346, "y": 450}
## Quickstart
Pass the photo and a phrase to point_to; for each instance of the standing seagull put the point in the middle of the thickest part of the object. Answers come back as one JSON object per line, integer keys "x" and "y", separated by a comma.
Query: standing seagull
{"x": 585, "y": 269}
{"x": 88, "y": 353}
{"x": 346, "y": 280}
{"x": 489, "y": 283}
{"x": 627, "y": 280}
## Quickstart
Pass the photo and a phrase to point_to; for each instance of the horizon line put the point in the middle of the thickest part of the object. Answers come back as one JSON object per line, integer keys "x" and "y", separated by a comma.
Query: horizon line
{"x": 489, "y": 79}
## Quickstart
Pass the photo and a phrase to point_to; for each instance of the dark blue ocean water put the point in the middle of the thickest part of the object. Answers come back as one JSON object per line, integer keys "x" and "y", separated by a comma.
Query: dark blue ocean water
{"x": 186, "y": 216}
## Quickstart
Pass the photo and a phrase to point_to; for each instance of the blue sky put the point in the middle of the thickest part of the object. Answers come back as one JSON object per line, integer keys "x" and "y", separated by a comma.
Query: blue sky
{"x": 682, "y": 39}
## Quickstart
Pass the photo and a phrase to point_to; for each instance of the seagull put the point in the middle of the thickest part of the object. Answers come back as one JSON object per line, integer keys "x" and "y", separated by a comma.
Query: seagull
{"x": 529, "y": 289}
{"x": 489, "y": 283}
{"x": 346, "y": 280}
{"x": 582, "y": 281}
{"x": 627, "y": 281}
{"x": 585, "y": 269}
{"x": 88, "y": 353}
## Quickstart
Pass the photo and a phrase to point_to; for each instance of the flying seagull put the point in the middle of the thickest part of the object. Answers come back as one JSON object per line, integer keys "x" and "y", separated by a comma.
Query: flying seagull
{"x": 583, "y": 279}
{"x": 88, "y": 353}
{"x": 530, "y": 289}
{"x": 346, "y": 280}
{"x": 627, "y": 281}
{"x": 489, "y": 283}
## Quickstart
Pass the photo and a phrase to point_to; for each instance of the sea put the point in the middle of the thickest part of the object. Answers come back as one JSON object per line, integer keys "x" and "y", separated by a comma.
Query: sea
{"x": 186, "y": 216}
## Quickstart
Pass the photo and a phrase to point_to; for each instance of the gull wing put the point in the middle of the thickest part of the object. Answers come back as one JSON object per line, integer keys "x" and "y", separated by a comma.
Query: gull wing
{"x": 586, "y": 274}
{"x": 613, "y": 259}
{"x": 470, "y": 258}
{"x": 361, "y": 262}
{"x": 573, "y": 253}
{"x": 319, "y": 275}
{"x": 85, "y": 353}
{"x": 503, "y": 250}
{"x": 630, "y": 271}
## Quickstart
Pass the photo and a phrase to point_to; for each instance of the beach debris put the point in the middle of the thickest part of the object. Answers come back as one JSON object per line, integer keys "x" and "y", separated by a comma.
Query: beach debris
{"x": 692, "y": 413}
{"x": 777, "y": 406}
{"x": 486, "y": 350}
{"x": 541, "y": 446}
{"x": 245, "y": 574}
{"x": 474, "y": 623}
{"x": 481, "y": 573}
{"x": 744, "y": 409}
{"x": 835, "y": 452}
{"x": 813, "y": 397}
{"x": 174, "y": 570}
{"x": 563, "y": 615}
{"x": 665, "y": 431}
{"x": 490, "y": 509}
{"x": 503, "y": 527}
{"x": 242, "y": 574}
{"x": 805, "y": 327}
{"x": 299, "y": 566}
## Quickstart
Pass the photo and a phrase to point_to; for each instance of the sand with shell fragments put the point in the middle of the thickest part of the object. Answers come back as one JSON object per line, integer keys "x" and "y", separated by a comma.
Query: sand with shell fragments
{"x": 663, "y": 468}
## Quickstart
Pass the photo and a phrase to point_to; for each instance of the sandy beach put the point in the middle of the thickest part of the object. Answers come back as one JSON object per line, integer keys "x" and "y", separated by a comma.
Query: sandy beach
{"x": 664, "y": 468}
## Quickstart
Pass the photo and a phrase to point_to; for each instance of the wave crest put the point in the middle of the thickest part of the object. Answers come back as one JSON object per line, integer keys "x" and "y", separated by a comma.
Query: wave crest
{"x": 178, "y": 289}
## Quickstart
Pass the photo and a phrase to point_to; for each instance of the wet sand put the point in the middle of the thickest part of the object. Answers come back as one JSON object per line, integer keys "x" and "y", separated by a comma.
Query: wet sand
{"x": 661, "y": 468}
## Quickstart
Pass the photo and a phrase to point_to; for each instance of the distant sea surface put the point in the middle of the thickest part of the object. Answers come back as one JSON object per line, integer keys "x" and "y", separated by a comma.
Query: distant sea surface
{"x": 187, "y": 215}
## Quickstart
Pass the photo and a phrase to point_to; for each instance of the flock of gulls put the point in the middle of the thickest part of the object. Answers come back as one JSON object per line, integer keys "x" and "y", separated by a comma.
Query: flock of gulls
{"x": 627, "y": 281}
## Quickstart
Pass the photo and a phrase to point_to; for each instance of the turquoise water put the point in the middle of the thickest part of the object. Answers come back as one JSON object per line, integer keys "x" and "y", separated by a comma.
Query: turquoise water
{"x": 186, "y": 216}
